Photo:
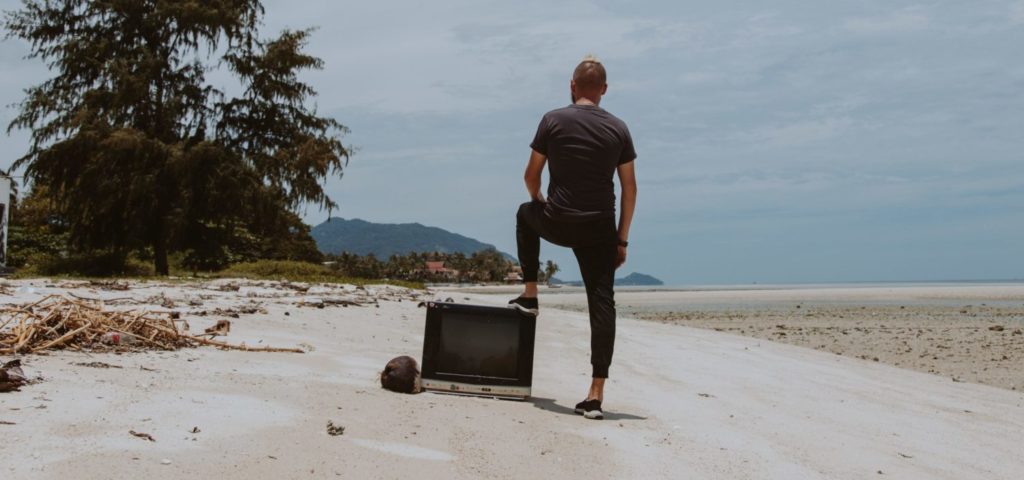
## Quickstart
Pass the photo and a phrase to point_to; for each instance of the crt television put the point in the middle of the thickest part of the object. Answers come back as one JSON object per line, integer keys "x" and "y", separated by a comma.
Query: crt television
{"x": 478, "y": 350}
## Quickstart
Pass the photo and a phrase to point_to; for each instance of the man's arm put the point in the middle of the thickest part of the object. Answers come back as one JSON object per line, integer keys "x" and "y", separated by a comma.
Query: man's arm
{"x": 627, "y": 180}
{"x": 534, "y": 169}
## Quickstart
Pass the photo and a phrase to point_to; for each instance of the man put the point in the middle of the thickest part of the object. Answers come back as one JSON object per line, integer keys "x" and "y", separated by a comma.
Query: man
{"x": 583, "y": 146}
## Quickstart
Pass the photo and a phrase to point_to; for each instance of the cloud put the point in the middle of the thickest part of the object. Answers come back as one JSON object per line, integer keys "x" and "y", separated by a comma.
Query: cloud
{"x": 902, "y": 21}
{"x": 1017, "y": 13}
{"x": 794, "y": 134}
{"x": 464, "y": 56}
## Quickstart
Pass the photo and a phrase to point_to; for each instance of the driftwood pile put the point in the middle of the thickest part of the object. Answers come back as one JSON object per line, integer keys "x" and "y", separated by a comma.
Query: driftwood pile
{"x": 59, "y": 322}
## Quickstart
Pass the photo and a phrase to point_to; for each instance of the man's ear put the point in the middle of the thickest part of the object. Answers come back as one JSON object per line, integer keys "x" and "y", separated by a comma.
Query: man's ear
{"x": 604, "y": 89}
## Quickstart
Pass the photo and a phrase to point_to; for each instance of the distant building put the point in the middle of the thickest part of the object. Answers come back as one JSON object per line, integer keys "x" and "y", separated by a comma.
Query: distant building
{"x": 437, "y": 269}
{"x": 515, "y": 276}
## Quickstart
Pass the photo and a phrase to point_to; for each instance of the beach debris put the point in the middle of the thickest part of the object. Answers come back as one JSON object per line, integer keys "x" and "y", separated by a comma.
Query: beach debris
{"x": 904, "y": 455}
{"x": 162, "y": 300}
{"x": 5, "y": 422}
{"x": 96, "y": 365}
{"x": 195, "y": 430}
{"x": 311, "y": 302}
{"x": 295, "y": 286}
{"x": 342, "y": 302}
{"x": 705, "y": 395}
{"x": 996, "y": 328}
{"x": 118, "y": 338}
{"x": 144, "y": 436}
{"x": 222, "y": 327}
{"x": 59, "y": 322}
{"x": 11, "y": 376}
{"x": 110, "y": 285}
{"x": 165, "y": 461}
{"x": 229, "y": 287}
{"x": 334, "y": 430}
{"x": 401, "y": 375}
{"x": 236, "y": 312}
{"x": 25, "y": 289}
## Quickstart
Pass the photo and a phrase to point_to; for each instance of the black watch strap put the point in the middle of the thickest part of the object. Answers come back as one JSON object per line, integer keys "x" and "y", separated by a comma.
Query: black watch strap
{"x": 623, "y": 243}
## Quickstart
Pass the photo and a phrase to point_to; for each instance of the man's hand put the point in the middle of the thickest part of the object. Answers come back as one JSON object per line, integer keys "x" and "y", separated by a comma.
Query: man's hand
{"x": 534, "y": 169}
{"x": 621, "y": 258}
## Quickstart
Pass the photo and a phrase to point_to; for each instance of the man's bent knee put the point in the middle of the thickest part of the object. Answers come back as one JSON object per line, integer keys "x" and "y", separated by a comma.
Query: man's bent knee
{"x": 524, "y": 212}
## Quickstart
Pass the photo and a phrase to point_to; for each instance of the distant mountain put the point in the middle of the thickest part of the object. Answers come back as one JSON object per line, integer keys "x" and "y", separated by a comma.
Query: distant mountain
{"x": 638, "y": 279}
{"x": 360, "y": 237}
{"x": 631, "y": 280}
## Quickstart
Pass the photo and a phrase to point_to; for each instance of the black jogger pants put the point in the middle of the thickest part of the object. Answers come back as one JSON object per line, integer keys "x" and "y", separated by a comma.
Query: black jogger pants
{"x": 595, "y": 244}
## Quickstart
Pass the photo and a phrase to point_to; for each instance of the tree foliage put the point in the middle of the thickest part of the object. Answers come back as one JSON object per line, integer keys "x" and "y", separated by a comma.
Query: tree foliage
{"x": 35, "y": 231}
{"x": 549, "y": 271}
{"x": 484, "y": 266}
{"x": 139, "y": 151}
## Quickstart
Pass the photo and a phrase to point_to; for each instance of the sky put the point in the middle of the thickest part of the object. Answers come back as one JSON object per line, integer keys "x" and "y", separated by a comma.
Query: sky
{"x": 778, "y": 142}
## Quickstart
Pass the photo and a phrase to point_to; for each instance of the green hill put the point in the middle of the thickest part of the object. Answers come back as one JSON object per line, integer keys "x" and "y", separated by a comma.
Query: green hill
{"x": 638, "y": 279}
{"x": 360, "y": 237}
{"x": 631, "y": 280}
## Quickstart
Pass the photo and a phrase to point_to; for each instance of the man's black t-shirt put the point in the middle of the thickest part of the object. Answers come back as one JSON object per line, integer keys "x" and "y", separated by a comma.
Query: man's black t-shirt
{"x": 584, "y": 145}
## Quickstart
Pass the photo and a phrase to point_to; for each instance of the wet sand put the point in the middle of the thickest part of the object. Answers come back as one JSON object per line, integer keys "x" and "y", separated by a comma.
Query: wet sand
{"x": 971, "y": 344}
{"x": 965, "y": 333}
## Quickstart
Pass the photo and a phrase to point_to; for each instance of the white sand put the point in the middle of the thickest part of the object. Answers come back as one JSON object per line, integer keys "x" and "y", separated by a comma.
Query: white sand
{"x": 772, "y": 411}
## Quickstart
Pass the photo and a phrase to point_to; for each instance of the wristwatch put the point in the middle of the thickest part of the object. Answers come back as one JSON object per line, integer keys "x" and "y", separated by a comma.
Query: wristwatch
{"x": 623, "y": 243}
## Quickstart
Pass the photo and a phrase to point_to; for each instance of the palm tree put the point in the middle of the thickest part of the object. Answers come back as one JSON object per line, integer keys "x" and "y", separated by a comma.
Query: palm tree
{"x": 550, "y": 269}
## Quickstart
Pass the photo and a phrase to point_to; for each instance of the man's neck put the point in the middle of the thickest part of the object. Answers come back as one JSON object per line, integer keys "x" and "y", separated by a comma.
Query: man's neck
{"x": 587, "y": 101}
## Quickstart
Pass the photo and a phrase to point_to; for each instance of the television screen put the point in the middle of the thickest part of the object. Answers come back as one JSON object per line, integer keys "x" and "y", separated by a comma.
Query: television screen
{"x": 479, "y": 346}
{"x": 478, "y": 350}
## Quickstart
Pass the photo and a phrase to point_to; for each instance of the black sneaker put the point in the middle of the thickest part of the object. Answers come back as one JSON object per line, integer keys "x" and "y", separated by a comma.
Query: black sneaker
{"x": 590, "y": 409}
{"x": 525, "y": 305}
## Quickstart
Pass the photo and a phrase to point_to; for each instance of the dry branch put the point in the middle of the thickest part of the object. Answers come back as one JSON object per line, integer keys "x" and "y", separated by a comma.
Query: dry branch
{"x": 58, "y": 322}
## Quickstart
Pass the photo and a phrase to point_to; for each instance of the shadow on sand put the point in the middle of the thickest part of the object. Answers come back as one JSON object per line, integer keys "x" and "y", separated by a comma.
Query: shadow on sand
{"x": 550, "y": 405}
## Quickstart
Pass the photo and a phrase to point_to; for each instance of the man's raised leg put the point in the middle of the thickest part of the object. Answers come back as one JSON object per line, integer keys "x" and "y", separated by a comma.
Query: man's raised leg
{"x": 528, "y": 247}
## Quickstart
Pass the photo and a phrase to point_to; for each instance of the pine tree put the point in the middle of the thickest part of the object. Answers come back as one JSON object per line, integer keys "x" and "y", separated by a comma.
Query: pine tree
{"x": 140, "y": 152}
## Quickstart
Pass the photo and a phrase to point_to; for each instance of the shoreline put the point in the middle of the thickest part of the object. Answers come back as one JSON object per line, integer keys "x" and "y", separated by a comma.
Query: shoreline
{"x": 965, "y": 333}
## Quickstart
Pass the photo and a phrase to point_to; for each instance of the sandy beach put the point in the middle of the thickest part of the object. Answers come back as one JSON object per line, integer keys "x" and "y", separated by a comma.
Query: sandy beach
{"x": 682, "y": 402}
{"x": 969, "y": 333}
